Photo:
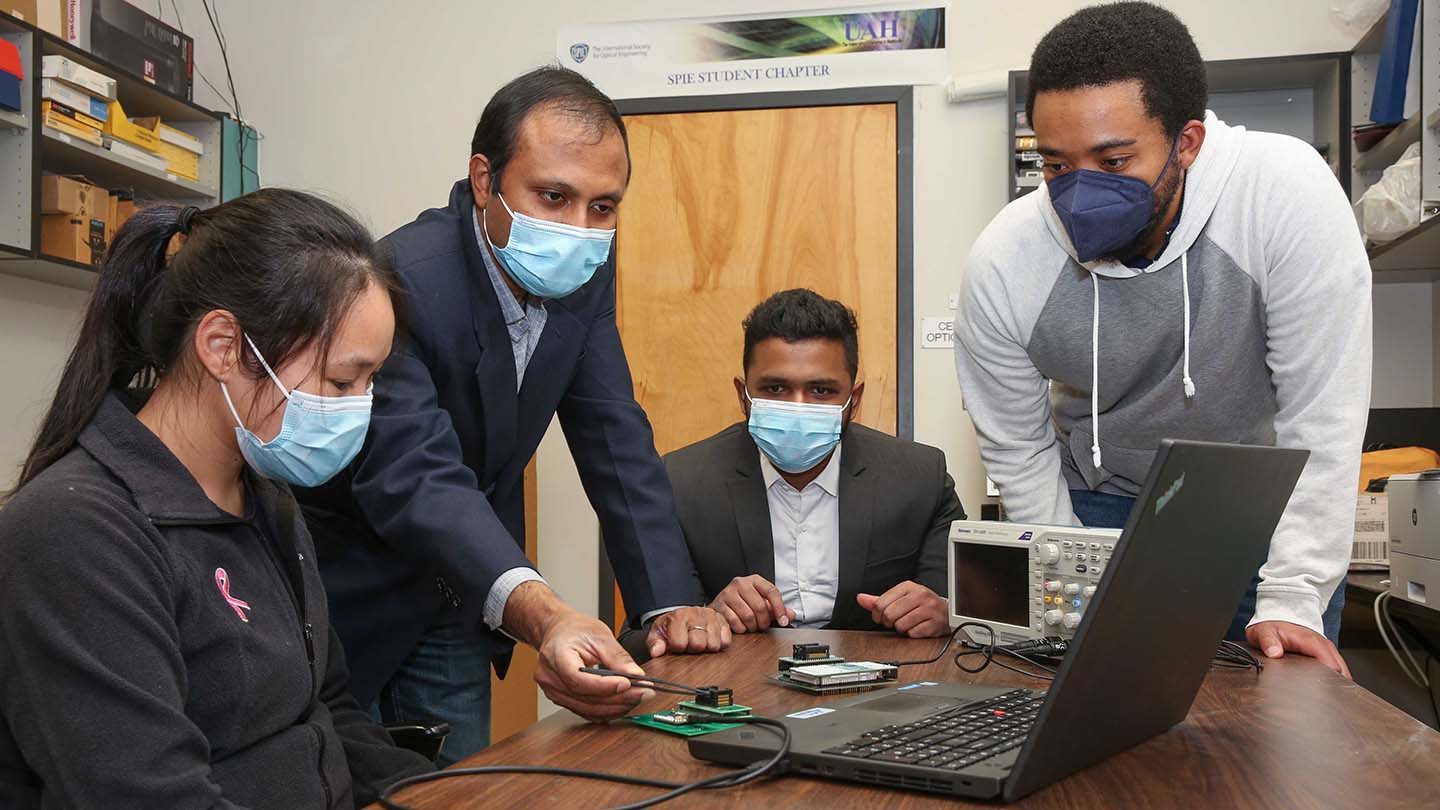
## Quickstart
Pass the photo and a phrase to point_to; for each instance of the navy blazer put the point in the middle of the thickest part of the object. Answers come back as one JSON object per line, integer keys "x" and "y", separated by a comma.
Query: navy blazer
{"x": 433, "y": 509}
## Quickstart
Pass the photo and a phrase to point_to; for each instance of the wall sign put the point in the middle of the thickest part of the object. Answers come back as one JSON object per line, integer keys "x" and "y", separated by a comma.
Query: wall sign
{"x": 894, "y": 44}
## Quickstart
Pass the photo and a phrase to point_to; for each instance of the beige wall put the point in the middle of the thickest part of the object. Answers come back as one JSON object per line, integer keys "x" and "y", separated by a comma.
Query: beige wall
{"x": 37, "y": 328}
{"x": 373, "y": 103}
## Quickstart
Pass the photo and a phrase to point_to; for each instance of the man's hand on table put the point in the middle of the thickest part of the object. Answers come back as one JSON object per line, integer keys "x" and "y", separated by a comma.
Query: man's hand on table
{"x": 568, "y": 640}
{"x": 910, "y": 609}
{"x": 751, "y": 604}
{"x": 688, "y": 630}
{"x": 1274, "y": 639}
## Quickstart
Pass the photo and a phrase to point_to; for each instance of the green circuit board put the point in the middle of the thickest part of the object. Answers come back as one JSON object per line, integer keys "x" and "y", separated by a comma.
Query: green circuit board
{"x": 690, "y": 729}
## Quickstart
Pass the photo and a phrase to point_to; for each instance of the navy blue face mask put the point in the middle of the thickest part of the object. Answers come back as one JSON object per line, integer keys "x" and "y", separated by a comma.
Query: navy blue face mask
{"x": 1104, "y": 212}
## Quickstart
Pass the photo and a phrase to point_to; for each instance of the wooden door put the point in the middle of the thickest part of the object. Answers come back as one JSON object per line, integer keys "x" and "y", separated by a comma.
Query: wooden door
{"x": 725, "y": 208}
{"x": 514, "y": 702}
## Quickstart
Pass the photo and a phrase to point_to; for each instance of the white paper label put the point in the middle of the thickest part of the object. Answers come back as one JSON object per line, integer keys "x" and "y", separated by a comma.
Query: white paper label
{"x": 937, "y": 332}
{"x": 809, "y": 713}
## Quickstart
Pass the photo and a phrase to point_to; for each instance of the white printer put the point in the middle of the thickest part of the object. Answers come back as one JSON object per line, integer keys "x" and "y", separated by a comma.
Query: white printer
{"x": 1415, "y": 537}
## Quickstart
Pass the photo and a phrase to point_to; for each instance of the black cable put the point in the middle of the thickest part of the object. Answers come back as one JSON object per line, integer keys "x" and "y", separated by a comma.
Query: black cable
{"x": 989, "y": 650}
{"x": 224, "y": 56}
{"x": 944, "y": 648}
{"x": 1232, "y": 655}
{"x": 180, "y": 23}
{"x": 734, "y": 778}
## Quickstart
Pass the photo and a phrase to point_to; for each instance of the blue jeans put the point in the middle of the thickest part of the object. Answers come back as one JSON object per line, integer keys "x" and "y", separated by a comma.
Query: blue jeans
{"x": 446, "y": 679}
{"x": 1105, "y": 511}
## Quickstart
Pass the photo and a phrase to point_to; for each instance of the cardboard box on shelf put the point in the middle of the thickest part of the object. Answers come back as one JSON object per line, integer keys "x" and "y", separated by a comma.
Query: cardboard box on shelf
{"x": 74, "y": 238}
{"x": 121, "y": 127}
{"x": 180, "y": 149}
{"x": 55, "y": 108}
{"x": 75, "y": 22}
{"x": 68, "y": 195}
{"x": 68, "y": 127}
{"x": 68, "y": 70}
{"x": 27, "y": 10}
{"x": 169, "y": 134}
{"x": 124, "y": 206}
{"x": 71, "y": 96}
{"x": 112, "y": 218}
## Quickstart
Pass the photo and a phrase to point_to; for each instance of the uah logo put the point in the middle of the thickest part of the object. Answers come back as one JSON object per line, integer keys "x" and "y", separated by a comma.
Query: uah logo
{"x": 1170, "y": 493}
{"x": 1025, "y": 538}
{"x": 579, "y": 51}
{"x": 865, "y": 27}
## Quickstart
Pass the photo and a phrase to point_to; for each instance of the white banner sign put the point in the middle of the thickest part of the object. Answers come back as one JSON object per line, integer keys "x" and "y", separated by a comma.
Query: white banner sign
{"x": 895, "y": 44}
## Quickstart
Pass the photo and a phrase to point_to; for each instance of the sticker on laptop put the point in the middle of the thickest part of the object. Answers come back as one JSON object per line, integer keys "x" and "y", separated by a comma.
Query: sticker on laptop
{"x": 917, "y": 685}
{"x": 809, "y": 713}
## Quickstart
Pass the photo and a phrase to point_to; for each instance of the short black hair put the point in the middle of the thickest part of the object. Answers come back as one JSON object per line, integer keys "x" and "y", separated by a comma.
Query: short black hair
{"x": 1120, "y": 42}
{"x": 544, "y": 87}
{"x": 795, "y": 315}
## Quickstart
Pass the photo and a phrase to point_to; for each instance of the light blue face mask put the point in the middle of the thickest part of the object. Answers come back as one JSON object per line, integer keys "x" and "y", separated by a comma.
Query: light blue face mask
{"x": 317, "y": 438}
{"x": 795, "y": 436}
{"x": 550, "y": 259}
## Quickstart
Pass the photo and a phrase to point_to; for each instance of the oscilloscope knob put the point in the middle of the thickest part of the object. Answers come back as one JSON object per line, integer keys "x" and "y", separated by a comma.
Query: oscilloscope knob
{"x": 1052, "y": 586}
{"x": 1049, "y": 553}
{"x": 1072, "y": 621}
{"x": 1053, "y": 617}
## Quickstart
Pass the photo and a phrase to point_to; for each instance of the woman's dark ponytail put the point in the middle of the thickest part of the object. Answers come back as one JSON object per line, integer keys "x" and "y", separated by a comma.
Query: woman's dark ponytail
{"x": 108, "y": 353}
{"x": 287, "y": 265}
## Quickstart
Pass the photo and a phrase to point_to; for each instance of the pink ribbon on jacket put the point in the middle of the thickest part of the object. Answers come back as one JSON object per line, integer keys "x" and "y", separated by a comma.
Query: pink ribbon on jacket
{"x": 239, "y": 605}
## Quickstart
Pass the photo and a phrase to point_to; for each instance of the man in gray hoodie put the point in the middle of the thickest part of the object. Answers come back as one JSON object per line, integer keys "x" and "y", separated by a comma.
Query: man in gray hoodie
{"x": 1174, "y": 277}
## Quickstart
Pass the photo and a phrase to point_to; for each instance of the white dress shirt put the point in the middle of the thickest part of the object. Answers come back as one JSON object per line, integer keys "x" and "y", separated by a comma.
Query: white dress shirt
{"x": 805, "y": 528}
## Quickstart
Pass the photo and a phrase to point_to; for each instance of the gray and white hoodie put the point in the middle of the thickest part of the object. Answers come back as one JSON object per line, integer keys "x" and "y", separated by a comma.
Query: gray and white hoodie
{"x": 1259, "y": 304}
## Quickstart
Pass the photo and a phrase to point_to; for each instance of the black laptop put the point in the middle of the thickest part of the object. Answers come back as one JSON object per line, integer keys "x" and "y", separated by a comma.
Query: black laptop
{"x": 1200, "y": 528}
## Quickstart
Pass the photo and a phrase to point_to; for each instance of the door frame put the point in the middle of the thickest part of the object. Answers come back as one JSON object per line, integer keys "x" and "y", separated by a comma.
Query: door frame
{"x": 902, "y": 96}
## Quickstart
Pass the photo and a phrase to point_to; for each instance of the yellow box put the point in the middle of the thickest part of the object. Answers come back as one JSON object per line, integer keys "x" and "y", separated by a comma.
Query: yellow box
{"x": 182, "y": 162}
{"x": 121, "y": 127}
{"x": 68, "y": 126}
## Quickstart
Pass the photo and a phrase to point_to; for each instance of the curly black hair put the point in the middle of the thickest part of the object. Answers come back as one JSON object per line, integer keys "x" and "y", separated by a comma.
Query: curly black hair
{"x": 1119, "y": 42}
{"x": 795, "y": 315}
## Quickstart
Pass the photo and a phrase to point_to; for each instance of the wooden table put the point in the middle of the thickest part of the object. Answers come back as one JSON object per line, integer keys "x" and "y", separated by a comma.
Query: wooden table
{"x": 1295, "y": 736}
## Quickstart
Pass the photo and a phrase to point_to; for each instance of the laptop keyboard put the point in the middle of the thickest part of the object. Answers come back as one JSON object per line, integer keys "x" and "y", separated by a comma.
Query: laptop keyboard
{"x": 952, "y": 739}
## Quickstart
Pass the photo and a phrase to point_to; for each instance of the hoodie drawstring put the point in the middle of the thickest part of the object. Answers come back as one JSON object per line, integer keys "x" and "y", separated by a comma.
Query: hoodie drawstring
{"x": 1185, "y": 285}
{"x": 1189, "y": 383}
{"x": 1095, "y": 373}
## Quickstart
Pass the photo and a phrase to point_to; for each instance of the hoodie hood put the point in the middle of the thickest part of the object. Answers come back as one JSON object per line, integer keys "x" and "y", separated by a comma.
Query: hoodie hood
{"x": 1204, "y": 182}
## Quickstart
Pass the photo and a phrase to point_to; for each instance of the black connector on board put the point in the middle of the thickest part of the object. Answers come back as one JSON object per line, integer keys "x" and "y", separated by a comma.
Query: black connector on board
{"x": 810, "y": 652}
{"x": 715, "y": 696}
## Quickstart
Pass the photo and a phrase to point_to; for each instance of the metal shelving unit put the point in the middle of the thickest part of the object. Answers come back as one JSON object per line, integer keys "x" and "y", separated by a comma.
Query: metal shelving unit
{"x": 13, "y": 121}
{"x": 29, "y": 150}
{"x": 1416, "y": 255}
{"x": 107, "y": 169}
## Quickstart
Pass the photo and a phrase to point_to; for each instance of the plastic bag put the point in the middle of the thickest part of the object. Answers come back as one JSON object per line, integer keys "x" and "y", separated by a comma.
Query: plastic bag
{"x": 1358, "y": 13}
{"x": 1391, "y": 208}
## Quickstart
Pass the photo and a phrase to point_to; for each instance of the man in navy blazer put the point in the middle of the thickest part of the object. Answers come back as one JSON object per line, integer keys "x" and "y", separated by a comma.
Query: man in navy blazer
{"x": 421, "y": 542}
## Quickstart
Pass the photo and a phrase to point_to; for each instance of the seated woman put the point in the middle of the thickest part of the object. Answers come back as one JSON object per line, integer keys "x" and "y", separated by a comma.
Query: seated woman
{"x": 164, "y": 640}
